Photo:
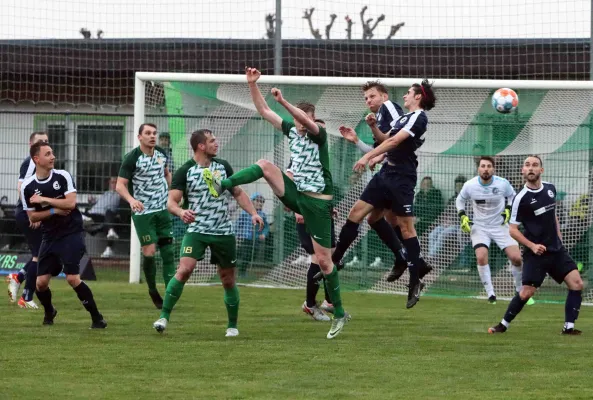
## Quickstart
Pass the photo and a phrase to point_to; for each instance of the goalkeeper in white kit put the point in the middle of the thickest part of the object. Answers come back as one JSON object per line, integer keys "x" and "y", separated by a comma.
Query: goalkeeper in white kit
{"x": 491, "y": 197}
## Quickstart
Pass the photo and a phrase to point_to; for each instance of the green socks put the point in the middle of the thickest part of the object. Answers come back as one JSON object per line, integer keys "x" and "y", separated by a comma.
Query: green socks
{"x": 149, "y": 267}
{"x": 333, "y": 287}
{"x": 168, "y": 256}
{"x": 231, "y": 300}
{"x": 247, "y": 175}
{"x": 173, "y": 293}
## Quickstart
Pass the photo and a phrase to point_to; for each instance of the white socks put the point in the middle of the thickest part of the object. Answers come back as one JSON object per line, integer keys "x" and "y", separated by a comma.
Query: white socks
{"x": 484, "y": 272}
{"x": 516, "y": 271}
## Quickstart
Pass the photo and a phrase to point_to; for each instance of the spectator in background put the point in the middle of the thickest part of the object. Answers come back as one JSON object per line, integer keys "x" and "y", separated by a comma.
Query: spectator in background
{"x": 428, "y": 204}
{"x": 103, "y": 212}
{"x": 249, "y": 241}
{"x": 561, "y": 209}
{"x": 165, "y": 144}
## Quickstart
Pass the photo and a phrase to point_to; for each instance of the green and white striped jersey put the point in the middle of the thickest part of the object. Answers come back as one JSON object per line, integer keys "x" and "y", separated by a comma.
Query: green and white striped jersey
{"x": 211, "y": 213}
{"x": 146, "y": 176}
{"x": 309, "y": 160}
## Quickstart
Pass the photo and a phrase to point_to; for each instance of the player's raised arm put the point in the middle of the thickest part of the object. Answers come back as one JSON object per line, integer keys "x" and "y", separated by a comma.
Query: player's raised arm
{"x": 350, "y": 135}
{"x": 259, "y": 101}
{"x": 384, "y": 147}
{"x": 299, "y": 115}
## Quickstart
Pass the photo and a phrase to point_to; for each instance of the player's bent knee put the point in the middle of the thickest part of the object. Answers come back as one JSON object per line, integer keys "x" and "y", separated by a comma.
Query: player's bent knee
{"x": 265, "y": 165}
{"x": 42, "y": 283}
{"x": 527, "y": 292}
{"x": 73, "y": 280}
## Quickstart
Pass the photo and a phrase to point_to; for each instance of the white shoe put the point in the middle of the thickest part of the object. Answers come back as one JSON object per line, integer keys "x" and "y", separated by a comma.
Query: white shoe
{"x": 13, "y": 287}
{"x": 315, "y": 313}
{"x": 230, "y": 332}
{"x": 302, "y": 260}
{"x": 111, "y": 234}
{"x": 355, "y": 261}
{"x": 160, "y": 325}
{"x": 327, "y": 307}
{"x": 338, "y": 325}
{"x": 28, "y": 304}
{"x": 108, "y": 253}
{"x": 377, "y": 263}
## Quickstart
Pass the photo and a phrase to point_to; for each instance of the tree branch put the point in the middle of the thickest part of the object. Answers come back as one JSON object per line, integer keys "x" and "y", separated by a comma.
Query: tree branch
{"x": 395, "y": 29}
{"x": 308, "y": 15}
{"x": 328, "y": 27}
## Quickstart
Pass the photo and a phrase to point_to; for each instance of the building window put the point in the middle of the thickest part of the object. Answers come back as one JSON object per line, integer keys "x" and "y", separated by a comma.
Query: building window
{"x": 59, "y": 145}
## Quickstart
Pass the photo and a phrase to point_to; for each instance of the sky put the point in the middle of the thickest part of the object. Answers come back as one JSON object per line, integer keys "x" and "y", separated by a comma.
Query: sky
{"x": 424, "y": 19}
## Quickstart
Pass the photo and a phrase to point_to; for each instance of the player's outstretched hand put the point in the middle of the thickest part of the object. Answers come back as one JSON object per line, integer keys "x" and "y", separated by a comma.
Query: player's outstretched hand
{"x": 348, "y": 133}
{"x": 188, "y": 216}
{"x": 299, "y": 218}
{"x": 360, "y": 165}
{"x": 277, "y": 93}
{"x": 466, "y": 223}
{"x": 34, "y": 225}
{"x": 257, "y": 220}
{"x": 377, "y": 160}
{"x": 136, "y": 206}
{"x": 252, "y": 74}
{"x": 506, "y": 215}
{"x": 538, "y": 249}
{"x": 371, "y": 119}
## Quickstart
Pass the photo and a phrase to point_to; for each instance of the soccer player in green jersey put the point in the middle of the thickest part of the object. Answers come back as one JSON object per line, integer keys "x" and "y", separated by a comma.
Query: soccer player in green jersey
{"x": 311, "y": 192}
{"x": 209, "y": 225}
{"x": 143, "y": 182}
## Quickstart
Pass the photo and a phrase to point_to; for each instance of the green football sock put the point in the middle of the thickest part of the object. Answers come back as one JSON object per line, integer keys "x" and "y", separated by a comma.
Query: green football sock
{"x": 173, "y": 293}
{"x": 247, "y": 175}
{"x": 149, "y": 267}
{"x": 333, "y": 283}
{"x": 168, "y": 256}
{"x": 231, "y": 300}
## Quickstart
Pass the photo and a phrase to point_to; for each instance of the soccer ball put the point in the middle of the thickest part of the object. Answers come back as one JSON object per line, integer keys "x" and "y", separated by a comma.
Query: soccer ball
{"x": 505, "y": 100}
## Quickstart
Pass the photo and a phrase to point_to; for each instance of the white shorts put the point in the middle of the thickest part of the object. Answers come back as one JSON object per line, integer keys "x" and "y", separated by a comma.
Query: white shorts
{"x": 499, "y": 234}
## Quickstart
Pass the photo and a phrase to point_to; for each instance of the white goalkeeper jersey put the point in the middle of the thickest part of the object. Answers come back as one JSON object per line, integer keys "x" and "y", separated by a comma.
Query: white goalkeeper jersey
{"x": 488, "y": 201}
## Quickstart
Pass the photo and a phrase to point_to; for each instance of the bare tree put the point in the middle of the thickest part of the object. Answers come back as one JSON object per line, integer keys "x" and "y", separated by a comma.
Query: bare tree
{"x": 395, "y": 29}
{"x": 308, "y": 15}
{"x": 328, "y": 27}
{"x": 86, "y": 34}
{"x": 100, "y": 34}
{"x": 349, "y": 23}
{"x": 367, "y": 29}
{"x": 270, "y": 25}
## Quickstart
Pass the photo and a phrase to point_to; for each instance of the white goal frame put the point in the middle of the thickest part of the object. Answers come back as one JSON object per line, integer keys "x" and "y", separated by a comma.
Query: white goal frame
{"x": 142, "y": 78}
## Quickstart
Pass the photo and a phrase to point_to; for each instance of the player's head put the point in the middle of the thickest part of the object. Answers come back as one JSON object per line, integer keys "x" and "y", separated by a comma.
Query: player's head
{"x": 112, "y": 183}
{"x": 309, "y": 109}
{"x": 420, "y": 96}
{"x": 258, "y": 201}
{"x": 459, "y": 181}
{"x": 486, "y": 167}
{"x": 320, "y": 122}
{"x": 147, "y": 135}
{"x": 164, "y": 140}
{"x": 426, "y": 183}
{"x": 42, "y": 155}
{"x": 375, "y": 94}
{"x": 533, "y": 167}
{"x": 203, "y": 141}
{"x": 38, "y": 137}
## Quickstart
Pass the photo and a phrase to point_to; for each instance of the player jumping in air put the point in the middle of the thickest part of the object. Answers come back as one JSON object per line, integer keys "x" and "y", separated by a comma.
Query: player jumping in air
{"x": 311, "y": 192}
{"x": 49, "y": 196}
{"x": 535, "y": 208}
{"x": 209, "y": 225}
{"x": 143, "y": 182}
{"x": 491, "y": 198}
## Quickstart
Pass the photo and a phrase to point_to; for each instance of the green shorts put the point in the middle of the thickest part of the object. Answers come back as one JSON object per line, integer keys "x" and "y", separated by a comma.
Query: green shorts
{"x": 152, "y": 227}
{"x": 223, "y": 248}
{"x": 317, "y": 213}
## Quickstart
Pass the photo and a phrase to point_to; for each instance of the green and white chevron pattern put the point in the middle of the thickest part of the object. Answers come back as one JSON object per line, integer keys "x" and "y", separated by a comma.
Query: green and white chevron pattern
{"x": 149, "y": 183}
{"x": 305, "y": 163}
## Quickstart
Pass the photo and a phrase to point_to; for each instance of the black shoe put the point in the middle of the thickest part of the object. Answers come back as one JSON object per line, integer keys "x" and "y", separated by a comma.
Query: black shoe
{"x": 424, "y": 268}
{"x": 399, "y": 267}
{"x": 156, "y": 299}
{"x": 500, "y": 328}
{"x": 48, "y": 319}
{"x": 492, "y": 300}
{"x": 414, "y": 294}
{"x": 99, "y": 324}
{"x": 571, "y": 331}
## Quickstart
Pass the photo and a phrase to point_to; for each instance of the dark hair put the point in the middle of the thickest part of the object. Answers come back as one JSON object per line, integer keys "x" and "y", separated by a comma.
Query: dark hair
{"x": 319, "y": 121}
{"x": 381, "y": 88}
{"x": 427, "y": 178}
{"x": 36, "y": 148}
{"x": 428, "y": 98}
{"x": 541, "y": 163}
{"x": 306, "y": 107}
{"x": 144, "y": 126}
{"x": 487, "y": 158}
{"x": 199, "y": 137}
{"x": 460, "y": 179}
{"x": 38, "y": 133}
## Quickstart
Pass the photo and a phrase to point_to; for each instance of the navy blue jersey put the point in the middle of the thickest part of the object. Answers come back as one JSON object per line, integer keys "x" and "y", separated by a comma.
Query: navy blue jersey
{"x": 56, "y": 186}
{"x": 536, "y": 210}
{"x": 404, "y": 155}
{"x": 27, "y": 169}
{"x": 387, "y": 115}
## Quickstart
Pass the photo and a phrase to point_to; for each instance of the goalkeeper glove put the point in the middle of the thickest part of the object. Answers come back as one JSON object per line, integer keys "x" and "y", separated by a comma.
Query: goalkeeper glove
{"x": 466, "y": 223}
{"x": 506, "y": 215}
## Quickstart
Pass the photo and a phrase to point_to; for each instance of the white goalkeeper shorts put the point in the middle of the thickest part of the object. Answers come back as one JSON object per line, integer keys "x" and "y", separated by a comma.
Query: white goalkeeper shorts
{"x": 483, "y": 236}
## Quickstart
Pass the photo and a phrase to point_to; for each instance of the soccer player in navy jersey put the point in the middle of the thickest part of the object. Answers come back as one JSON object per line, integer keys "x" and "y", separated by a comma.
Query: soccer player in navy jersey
{"x": 32, "y": 235}
{"x": 49, "y": 197}
{"x": 535, "y": 208}
{"x": 394, "y": 184}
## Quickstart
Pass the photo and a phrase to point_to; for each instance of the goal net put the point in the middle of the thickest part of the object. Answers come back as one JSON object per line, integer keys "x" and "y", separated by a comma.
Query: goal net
{"x": 553, "y": 120}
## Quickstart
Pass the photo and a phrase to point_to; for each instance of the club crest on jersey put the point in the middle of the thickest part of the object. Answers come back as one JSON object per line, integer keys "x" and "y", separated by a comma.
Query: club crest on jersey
{"x": 551, "y": 194}
{"x": 404, "y": 119}
{"x": 56, "y": 185}
{"x": 494, "y": 190}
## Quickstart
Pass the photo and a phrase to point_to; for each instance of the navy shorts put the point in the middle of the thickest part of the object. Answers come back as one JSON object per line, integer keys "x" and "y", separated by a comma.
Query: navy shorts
{"x": 62, "y": 254}
{"x": 390, "y": 190}
{"x": 307, "y": 242}
{"x": 557, "y": 264}
{"x": 33, "y": 236}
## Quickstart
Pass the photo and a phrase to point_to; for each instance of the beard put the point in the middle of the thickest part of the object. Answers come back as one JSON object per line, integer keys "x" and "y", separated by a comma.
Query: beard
{"x": 485, "y": 176}
{"x": 532, "y": 177}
